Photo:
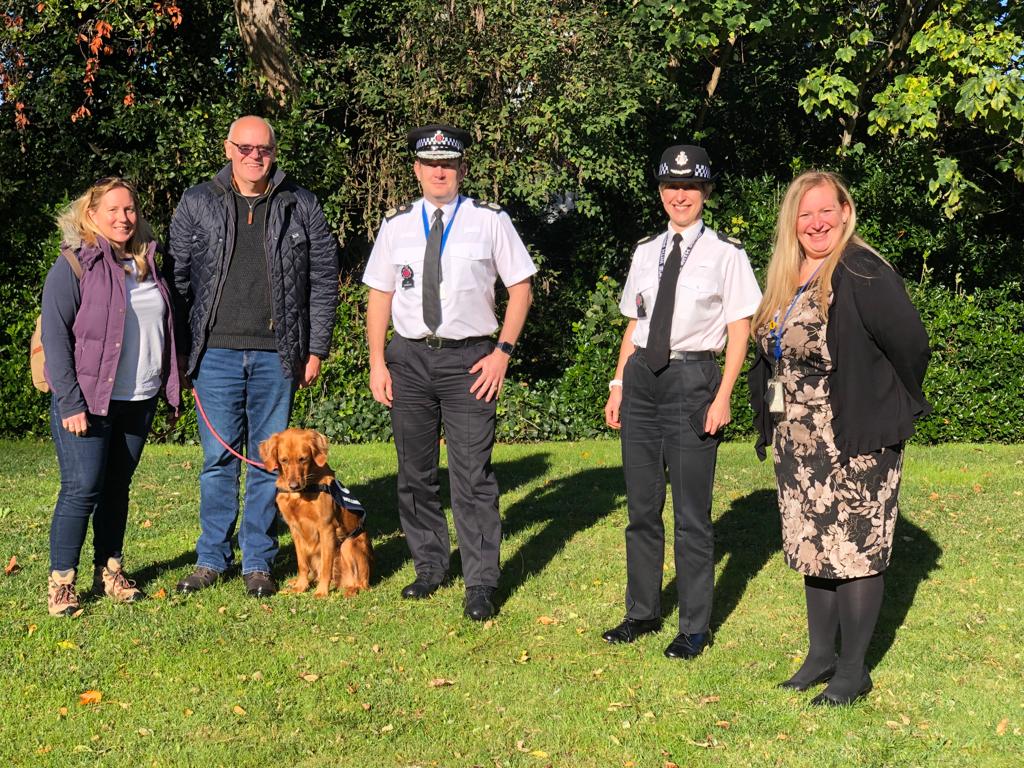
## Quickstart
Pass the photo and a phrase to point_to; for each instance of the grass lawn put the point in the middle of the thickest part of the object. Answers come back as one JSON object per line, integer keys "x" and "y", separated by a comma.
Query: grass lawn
{"x": 220, "y": 679}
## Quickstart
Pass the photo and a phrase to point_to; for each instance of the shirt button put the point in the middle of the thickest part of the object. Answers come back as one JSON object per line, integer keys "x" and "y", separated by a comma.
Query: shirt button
{"x": 117, "y": 343}
{"x": 109, "y": 380}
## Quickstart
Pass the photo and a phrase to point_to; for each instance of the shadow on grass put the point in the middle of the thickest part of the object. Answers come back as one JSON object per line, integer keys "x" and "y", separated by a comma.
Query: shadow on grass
{"x": 564, "y": 508}
{"x": 915, "y": 556}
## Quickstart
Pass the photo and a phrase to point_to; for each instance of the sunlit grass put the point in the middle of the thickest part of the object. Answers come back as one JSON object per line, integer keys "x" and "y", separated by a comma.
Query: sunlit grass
{"x": 220, "y": 679}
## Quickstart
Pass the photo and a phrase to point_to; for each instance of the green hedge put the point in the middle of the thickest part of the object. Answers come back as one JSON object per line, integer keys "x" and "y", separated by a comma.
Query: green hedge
{"x": 975, "y": 382}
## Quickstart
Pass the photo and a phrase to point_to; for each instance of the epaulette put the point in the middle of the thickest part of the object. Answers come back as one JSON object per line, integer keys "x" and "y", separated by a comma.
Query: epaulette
{"x": 392, "y": 212}
{"x": 647, "y": 239}
{"x": 489, "y": 206}
{"x": 730, "y": 240}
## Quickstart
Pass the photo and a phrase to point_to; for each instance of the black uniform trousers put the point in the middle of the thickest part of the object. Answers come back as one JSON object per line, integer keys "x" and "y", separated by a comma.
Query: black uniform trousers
{"x": 430, "y": 386}
{"x": 657, "y": 433}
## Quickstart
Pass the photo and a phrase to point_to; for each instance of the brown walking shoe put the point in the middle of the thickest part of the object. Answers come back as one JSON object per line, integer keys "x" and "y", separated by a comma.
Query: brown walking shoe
{"x": 110, "y": 580}
{"x": 61, "y": 599}
{"x": 201, "y": 578}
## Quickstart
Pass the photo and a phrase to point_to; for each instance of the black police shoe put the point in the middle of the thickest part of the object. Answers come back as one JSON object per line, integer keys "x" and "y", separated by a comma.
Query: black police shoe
{"x": 630, "y": 629}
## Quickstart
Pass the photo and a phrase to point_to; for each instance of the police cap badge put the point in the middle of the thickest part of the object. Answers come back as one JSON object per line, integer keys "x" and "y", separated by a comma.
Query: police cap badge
{"x": 438, "y": 141}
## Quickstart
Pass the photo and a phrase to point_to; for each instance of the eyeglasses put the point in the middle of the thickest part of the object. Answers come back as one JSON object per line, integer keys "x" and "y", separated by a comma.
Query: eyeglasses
{"x": 261, "y": 150}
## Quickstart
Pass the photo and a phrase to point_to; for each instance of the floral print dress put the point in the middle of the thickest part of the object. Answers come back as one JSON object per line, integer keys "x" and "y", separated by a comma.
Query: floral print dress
{"x": 837, "y": 515}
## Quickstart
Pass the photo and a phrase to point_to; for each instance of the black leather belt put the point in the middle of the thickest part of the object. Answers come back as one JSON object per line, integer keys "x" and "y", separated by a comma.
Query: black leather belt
{"x": 689, "y": 357}
{"x": 436, "y": 342}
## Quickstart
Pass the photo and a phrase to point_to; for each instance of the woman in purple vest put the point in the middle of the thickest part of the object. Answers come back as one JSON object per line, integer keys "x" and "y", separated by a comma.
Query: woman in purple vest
{"x": 109, "y": 345}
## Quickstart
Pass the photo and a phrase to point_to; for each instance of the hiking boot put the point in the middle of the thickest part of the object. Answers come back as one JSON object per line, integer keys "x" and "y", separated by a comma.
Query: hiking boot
{"x": 110, "y": 580}
{"x": 201, "y": 578}
{"x": 61, "y": 598}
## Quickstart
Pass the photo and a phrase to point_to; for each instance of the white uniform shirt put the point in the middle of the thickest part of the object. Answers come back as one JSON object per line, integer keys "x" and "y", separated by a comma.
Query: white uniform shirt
{"x": 716, "y": 286}
{"x": 482, "y": 245}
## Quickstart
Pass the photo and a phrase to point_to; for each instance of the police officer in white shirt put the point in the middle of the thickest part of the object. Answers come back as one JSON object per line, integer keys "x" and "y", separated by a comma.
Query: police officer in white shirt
{"x": 432, "y": 271}
{"x": 690, "y": 293}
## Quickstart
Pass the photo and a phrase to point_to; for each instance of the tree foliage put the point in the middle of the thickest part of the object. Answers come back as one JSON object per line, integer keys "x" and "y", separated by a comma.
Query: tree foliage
{"x": 919, "y": 105}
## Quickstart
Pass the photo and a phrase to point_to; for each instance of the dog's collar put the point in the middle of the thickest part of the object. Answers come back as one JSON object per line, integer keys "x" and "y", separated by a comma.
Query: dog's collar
{"x": 342, "y": 497}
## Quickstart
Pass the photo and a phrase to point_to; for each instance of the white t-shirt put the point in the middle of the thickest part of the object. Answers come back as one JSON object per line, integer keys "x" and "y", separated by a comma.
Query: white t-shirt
{"x": 140, "y": 364}
{"x": 482, "y": 245}
{"x": 716, "y": 286}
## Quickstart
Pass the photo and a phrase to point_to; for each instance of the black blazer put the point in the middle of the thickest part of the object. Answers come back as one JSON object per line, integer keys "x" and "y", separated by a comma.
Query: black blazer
{"x": 879, "y": 351}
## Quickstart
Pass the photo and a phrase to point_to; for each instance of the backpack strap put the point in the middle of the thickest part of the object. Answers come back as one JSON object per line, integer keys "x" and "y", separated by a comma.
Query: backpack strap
{"x": 76, "y": 265}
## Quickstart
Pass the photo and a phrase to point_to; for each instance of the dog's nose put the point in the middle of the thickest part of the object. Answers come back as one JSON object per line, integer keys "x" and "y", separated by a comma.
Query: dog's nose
{"x": 294, "y": 485}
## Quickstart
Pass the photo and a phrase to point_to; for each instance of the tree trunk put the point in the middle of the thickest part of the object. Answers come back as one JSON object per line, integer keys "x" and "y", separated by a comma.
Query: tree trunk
{"x": 264, "y": 27}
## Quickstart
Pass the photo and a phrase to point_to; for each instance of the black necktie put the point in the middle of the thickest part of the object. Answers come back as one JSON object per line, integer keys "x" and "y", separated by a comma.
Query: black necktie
{"x": 432, "y": 275}
{"x": 661, "y": 320}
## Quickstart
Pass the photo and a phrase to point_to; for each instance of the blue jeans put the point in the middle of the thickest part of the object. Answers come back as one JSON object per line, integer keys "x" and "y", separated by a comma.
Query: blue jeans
{"x": 95, "y": 473}
{"x": 247, "y": 398}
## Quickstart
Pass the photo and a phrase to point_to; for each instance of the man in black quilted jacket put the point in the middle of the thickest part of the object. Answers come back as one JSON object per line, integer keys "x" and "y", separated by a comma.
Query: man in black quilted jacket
{"x": 256, "y": 276}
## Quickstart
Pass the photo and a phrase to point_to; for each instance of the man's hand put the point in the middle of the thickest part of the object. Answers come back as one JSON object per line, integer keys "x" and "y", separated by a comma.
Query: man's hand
{"x": 76, "y": 424}
{"x": 312, "y": 371}
{"x": 492, "y": 375}
{"x": 612, "y": 408}
{"x": 719, "y": 414}
{"x": 380, "y": 384}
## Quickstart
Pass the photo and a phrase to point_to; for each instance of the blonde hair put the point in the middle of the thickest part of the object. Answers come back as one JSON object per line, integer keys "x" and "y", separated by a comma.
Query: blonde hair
{"x": 78, "y": 227}
{"x": 783, "y": 278}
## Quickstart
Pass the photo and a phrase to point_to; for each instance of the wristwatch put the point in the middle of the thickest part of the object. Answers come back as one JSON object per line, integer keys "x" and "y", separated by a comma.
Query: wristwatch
{"x": 507, "y": 347}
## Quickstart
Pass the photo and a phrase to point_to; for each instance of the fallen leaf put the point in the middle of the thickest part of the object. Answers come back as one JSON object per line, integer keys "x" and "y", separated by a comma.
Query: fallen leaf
{"x": 375, "y": 648}
{"x": 708, "y": 699}
{"x": 309, "y": 677}
{"x": 524, "y": 657}
{"x": 266, "y": 608}
{"x": 440, "y": 682}
{"x": 782, "y": 737}
{"x": 239, "y": 711}
{"x": 31, "y": 629}
{"x": 1001, "y": 728}
{"x": 67, "y": 645}
{"x": 546, "y": 621}
{"x": 43, "y": 750}
{"x": 670, "y": 764}
{"x": 352, "y": 687}
{"x": 539, "y": 753}
{"x": 90, "y": 697}
{"x": 933, "y": 496}
{"x": 12, "y": 566}
{"x": 146, "y": 523}
{"x": 724, "y": 724}
{"x": 904, "y": 719}
{"x": 615, "y": 705}
{"x": 160, "y": 594}
{"x": 387, "y": 728}
{"x": 222, "y": 610}
{"x": 366, "y": 707}
{"x": 893, "y": 724}
{"x": 489, "y": 623}
{"x": 187, "y": 712}
{"x": 145, "y": 732}
{"x": 521, "y": 746}
{"x": 62, "y": 712}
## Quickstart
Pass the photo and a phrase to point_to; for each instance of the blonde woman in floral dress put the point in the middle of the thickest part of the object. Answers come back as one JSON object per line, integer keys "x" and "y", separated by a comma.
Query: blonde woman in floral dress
{"x": 836, "y": 388}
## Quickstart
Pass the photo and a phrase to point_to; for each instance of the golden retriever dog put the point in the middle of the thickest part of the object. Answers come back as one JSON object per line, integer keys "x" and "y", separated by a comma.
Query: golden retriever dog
{"x": 331, "y": 544}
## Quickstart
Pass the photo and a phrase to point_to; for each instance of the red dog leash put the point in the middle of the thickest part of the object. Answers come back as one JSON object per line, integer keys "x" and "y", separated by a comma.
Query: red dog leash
{"x": 232, "y": 451}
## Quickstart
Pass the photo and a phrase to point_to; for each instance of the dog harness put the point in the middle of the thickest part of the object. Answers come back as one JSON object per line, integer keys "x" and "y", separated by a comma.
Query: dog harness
{"x": 341, "y": 496}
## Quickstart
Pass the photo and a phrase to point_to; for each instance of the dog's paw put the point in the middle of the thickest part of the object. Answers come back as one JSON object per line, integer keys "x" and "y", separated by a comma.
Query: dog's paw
{"x": 297, "y": 586}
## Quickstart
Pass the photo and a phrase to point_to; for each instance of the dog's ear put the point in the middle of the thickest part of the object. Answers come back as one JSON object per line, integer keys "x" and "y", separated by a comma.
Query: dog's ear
{"x": 268, "y": 452}
{"x": 320, "y": 449}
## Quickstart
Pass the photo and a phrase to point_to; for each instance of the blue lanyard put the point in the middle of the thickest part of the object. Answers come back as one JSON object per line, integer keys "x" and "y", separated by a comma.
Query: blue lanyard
{"x": 447, "y": 229}
{"x": 776, "y": 332}
{"x": 686, "y": 254}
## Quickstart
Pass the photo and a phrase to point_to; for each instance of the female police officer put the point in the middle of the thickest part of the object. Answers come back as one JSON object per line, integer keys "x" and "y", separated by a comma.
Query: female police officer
{"x": 689, "y": 294}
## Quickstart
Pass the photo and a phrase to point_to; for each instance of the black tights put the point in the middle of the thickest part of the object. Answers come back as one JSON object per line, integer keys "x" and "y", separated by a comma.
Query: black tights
{"x": 850, "y": 606}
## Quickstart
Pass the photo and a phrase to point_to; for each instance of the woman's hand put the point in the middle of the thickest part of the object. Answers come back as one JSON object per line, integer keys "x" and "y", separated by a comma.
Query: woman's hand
{"x": 76, "y": 424}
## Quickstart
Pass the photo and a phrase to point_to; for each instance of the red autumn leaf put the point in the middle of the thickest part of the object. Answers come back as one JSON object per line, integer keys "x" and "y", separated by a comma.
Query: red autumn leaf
{"x": 12, "y": 566}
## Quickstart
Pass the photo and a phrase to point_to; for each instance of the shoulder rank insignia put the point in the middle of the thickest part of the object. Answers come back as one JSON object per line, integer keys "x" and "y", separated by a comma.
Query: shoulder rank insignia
{"x": 647, "y": 239}
{"x": 390, "y": 213}
{"x": 731, "y": 240}
{"x": 489, "y": 206}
